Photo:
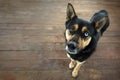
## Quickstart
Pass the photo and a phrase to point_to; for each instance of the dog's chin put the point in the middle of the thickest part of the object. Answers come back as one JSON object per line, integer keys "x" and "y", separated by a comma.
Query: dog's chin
{"x": 71, "y": 52}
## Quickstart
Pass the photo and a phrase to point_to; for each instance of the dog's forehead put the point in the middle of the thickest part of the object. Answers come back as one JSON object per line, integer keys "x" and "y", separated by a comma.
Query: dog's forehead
{"x": 77, "y": 21}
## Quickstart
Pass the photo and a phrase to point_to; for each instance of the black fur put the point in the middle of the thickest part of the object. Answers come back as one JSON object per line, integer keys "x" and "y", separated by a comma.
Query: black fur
{"x": 88, "y": 50}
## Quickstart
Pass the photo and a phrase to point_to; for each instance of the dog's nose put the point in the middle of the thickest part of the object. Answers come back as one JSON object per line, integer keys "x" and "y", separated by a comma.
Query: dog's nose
{"x": 72, "y": 46}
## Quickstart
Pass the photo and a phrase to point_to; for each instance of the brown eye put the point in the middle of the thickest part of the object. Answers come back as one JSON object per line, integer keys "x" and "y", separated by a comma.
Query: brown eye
{"x": 72, "y": 29}
{"x": 72, "y": 32}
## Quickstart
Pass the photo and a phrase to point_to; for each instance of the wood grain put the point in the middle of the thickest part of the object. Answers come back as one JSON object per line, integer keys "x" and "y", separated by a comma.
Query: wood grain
{"x": 32, "y": 45}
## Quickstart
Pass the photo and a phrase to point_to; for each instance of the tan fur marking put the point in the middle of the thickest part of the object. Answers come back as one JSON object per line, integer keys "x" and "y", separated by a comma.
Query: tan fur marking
{"x": 84, "y": 29}
{"x": 84, "y": 42}
{"x": 76, "y": 27}
{"x": 72, "y": 64}
{"x": 76, "y": 69}
{"x": 68, "y": 35}
{"x": 72, "y": 16}
{"x": 100, "y": 24}
{"x": 68, "y": 55}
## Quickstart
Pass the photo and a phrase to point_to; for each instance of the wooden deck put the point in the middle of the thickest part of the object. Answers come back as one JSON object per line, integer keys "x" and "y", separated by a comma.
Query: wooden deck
{"x": 32, "y": 41}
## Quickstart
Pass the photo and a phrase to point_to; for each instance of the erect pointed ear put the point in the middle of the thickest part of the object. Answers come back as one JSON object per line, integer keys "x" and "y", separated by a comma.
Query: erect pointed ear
{"x": 70, "y": 12}
{"x": 100, "y": 19}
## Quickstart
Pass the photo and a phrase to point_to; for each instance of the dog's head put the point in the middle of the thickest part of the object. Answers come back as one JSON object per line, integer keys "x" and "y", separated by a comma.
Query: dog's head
{"x": 79, "y": 32}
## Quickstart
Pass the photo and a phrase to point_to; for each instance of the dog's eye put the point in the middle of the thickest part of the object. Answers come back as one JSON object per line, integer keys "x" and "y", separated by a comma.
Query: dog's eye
{"x": 86, "y": 34}
{"x": 72, "y": 30}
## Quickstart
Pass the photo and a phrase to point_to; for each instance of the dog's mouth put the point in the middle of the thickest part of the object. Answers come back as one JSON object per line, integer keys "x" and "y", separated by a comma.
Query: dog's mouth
{"x": 72, "y": 48}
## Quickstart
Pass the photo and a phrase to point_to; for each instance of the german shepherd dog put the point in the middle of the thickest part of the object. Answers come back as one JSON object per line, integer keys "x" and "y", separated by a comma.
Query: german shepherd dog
{"x": 82, "y": 36}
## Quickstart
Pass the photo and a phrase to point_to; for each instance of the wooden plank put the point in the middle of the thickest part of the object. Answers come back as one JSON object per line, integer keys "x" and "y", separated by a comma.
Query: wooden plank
{"x": 48, "y": 38}
{"x": 58, "y": 28}
{"x": 44, "y": 75}
{"x": 105, "y": 53}
{"x": 36, "y": 32}
{"x": 49, "y": 46}
{"x": 36, "y": 12}
{"x": 56, "y": 64}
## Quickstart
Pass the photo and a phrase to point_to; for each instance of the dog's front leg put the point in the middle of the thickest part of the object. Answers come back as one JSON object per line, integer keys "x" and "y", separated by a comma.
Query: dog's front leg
{"x": 72, "y": 63}
{"x": 76, "y": 69}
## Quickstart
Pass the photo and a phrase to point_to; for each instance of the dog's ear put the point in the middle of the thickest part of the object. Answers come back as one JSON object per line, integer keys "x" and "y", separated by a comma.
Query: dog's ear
{"x": 70, "y": 12}
{"x": 99, "y": 19}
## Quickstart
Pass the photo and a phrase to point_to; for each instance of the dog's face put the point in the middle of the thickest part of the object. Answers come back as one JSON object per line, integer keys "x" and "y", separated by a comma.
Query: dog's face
{"x": 79, "y": 32}
{"x": 78, "y": 35}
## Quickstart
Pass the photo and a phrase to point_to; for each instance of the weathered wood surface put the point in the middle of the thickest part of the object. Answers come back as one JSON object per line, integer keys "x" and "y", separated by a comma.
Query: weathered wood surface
{"x": 32, "y": 40}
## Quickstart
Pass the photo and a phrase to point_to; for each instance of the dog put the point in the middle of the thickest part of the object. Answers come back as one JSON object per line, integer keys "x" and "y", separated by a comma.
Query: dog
{"x": 81, "y": 36}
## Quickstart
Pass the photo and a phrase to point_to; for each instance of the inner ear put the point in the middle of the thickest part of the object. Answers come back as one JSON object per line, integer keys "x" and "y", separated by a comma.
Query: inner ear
{"x": 99, "y": 19}
{"x": 70, "y": 12}
{"x": 99, "y": 24}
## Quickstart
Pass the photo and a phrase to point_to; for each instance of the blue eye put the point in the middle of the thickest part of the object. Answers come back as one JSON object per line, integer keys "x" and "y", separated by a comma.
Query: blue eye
{"x": 86, "y": 34}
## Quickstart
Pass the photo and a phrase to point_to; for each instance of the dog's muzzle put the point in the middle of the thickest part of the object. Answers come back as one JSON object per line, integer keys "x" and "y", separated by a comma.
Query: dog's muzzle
{"x": 72, "y": 48}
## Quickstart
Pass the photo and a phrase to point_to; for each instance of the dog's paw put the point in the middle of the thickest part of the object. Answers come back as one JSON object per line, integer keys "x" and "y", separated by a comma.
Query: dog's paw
{"x": 74, "y": 74}
{"x": 71, "y": 65}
